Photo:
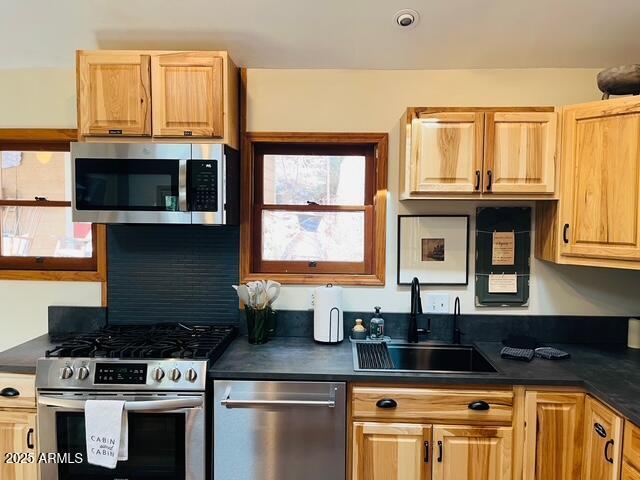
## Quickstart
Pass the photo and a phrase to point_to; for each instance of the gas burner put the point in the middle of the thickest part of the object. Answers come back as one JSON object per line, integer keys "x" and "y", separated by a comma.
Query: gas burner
{"x": 159, "y": 341}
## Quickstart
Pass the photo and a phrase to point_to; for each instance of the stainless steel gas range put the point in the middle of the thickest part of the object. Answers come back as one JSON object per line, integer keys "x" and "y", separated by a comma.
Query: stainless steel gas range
{"x": 161, "y": 374}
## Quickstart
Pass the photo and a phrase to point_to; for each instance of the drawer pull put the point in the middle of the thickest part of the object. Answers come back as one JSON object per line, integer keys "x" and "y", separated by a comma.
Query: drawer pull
{"x": 600, "y": 430}
{"x": 30, "y": 444}
{"x": 606, "y": 451}
{"x": 479, "y": 405}
{"x": 386, "y": 403}
{"x": 9, "y": 392}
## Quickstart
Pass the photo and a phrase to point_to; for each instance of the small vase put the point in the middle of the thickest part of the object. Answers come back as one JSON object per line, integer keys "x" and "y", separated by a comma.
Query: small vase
{"x": 261, "y": 324}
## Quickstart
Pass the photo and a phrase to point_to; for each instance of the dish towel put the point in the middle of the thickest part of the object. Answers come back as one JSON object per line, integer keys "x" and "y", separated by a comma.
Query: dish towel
{"x": 550, "y": 353}
{"x": 107, "y": 436}
{"x": 522, "y": 354}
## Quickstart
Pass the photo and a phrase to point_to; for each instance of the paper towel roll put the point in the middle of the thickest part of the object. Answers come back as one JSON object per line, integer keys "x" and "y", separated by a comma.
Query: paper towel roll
{"x": 328, "y": 324}
{"x": 633, "y": 340}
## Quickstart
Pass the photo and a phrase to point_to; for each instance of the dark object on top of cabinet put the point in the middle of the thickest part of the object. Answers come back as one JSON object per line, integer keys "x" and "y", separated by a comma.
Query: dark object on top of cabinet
{"x": 623, "y": 80}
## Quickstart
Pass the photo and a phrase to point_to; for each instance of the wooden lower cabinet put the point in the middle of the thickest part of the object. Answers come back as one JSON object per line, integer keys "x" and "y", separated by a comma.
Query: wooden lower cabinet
{"x": 602, "y": 442}
{"x": 553, "y": 435}
{"x": 465, "y": 452}
{"x": 391, "y": 451}
{"x": 629, "y": 472}
{"x": 17, "y": 435}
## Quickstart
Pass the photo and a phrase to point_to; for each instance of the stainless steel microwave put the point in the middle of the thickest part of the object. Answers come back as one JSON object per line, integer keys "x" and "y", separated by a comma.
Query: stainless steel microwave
{"x": 155, "y": 183}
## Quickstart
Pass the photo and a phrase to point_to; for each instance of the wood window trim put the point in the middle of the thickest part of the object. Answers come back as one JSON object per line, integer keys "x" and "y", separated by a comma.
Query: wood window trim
{"x": 375, "y": 239}
{"x": 55, "y": 140}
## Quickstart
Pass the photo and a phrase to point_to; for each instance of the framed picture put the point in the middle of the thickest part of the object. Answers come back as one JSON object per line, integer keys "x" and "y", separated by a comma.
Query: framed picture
{"x": 433, "y": 248}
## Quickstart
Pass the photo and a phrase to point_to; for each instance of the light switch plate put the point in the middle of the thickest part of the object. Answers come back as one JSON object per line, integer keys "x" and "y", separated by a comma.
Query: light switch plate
{"x": 437, "y": 303}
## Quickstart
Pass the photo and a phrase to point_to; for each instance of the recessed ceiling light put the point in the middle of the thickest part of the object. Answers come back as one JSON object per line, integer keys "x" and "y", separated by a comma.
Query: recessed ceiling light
{"x": 406, "y": 18}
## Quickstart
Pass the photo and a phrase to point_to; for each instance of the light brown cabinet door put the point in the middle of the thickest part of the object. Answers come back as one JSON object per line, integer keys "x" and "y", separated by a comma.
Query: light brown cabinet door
{"x": 601, "y": 180}
{"x": 602, "y": 442}
{"x": 114, "y": 94}
{"x": 629, "y": 473}
{"x": 446, "y": 153}
{"x": 187, "y": 95}
{"x": 520, "y": 149}
{"x": 391, "y": 451}
{"x": 17, "y": 435}
{"x": 553, "y": 436}
{"x": 478, "y": 453}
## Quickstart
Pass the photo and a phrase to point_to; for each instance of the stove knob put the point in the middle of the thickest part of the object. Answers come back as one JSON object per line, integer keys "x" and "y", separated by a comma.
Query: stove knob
{"x": 83, "y": 373}
{"x": 191, "y": 375}
{"x": 158, "y": 374}
{"x": 175, "y": 375}
{"x": 66, "y": 373}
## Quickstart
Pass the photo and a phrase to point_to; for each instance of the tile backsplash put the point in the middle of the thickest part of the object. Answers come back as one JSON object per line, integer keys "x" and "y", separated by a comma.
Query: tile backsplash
{"x": 167, "y": 273}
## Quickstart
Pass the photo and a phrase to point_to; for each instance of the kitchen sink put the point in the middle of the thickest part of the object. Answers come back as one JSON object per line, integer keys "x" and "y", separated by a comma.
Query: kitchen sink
{"x": 410, "y": 357}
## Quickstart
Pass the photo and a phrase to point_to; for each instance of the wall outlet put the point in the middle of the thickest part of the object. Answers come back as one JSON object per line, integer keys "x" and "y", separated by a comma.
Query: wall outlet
{"x": 437, "y": 303}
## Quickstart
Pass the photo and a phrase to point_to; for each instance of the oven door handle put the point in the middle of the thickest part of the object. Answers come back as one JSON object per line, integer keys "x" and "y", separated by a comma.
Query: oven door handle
{"x": 137, "y": 406}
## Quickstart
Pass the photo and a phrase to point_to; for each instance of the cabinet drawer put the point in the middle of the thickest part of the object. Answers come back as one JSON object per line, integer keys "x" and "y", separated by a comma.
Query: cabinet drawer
{"x": 433, "y": 405}
{"x": 25, "y": 386}
{"x": 631, "y": 444}
{"x": 629, "y": 473}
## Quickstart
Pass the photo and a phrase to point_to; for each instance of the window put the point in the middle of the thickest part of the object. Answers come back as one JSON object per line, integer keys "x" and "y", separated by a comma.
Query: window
{"x": 315, "y": 211}
{"x": 38, "y": 238}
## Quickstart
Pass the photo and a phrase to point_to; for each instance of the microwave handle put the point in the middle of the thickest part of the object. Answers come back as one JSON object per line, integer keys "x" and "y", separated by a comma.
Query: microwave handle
{"x": 182, "y": 185}
{"x": 140, "y": 406}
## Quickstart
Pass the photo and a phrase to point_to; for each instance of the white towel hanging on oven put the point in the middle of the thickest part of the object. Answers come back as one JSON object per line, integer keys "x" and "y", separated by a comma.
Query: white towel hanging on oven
{"x": 107, "y": 432}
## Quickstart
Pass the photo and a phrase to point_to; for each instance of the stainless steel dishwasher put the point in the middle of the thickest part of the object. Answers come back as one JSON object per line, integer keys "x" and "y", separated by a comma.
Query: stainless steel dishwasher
{"x": 279, "y": 430}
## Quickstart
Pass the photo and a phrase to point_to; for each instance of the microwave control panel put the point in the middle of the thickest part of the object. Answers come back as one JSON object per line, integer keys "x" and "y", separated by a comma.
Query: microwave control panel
{"x": 203, "y": 185}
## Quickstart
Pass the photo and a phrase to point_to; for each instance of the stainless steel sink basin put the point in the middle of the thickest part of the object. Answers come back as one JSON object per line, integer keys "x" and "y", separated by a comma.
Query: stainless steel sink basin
{"x": 409, "y": 357}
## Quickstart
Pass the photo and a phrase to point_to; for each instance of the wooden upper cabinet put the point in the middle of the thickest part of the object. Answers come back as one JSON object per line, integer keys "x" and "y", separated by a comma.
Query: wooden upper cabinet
{"x": 187, "y": 95}
{"x": 601, "y": 180}
{"x": 454, "y": 152}
{"x": 553, "y": 436}
{"x": 391, "y": 451}
{"x": 478, "y": 453}
{"x": 17, "y": 435}
{"x": 446, "y": 151}
{"x": 113, "y": 94}
{"x": 520, "y": 149}
{"x": 602, "y": 454}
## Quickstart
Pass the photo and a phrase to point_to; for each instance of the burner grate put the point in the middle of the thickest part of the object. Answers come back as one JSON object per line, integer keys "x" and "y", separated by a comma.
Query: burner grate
{"x": 148, "y": 342}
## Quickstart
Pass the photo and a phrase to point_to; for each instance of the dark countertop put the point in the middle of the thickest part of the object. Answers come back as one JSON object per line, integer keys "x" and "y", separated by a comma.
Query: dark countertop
{"x": 23, "y": 358}
{"x": 609, "y": 373}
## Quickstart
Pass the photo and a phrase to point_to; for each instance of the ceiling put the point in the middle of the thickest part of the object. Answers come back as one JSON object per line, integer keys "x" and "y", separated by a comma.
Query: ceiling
{"x": 330, "y": 33}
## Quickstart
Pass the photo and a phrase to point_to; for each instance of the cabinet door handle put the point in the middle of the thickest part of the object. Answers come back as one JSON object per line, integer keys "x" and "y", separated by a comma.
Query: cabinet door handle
{"x": 426, "y": 452}
{"x": 479, "y": 405}
{"x": 565, "y": 239}
{"x": 439, "y": 451}
{"x": 606, "y": 451}
{"x": 30, "y": 444}
{"x": 489, "y": 179}
{"x": 386, "y": 403}
{"x": 9, "y": 392}
{"x": 477, "y": 179}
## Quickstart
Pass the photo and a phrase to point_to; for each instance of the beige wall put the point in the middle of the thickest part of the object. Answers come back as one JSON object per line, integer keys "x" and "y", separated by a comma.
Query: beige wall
{"x": 373, "y": 101}
{"x": 333, "y": 100}
{"x": 37, "y": 98}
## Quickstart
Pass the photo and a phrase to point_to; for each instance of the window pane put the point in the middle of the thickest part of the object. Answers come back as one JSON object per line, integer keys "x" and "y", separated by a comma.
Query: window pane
{"x": 43, "y": 232}
{"x": 323, "y": 179}
{"x": 26, "y": 175}
{"x": 313, "y": 236}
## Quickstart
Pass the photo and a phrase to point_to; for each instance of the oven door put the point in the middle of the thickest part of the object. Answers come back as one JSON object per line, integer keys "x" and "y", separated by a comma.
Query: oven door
{"x": 166, "y": 436}
{"x": 130, "y": 183}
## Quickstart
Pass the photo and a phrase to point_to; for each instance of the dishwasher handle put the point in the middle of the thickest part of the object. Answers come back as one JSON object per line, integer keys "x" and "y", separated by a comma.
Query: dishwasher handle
{"x": 229, "y": 403}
